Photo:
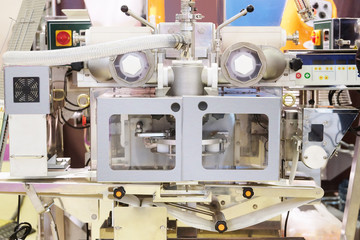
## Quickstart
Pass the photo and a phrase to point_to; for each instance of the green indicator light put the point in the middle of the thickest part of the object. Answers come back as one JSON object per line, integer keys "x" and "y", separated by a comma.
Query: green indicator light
{"x": 307, "y": 75}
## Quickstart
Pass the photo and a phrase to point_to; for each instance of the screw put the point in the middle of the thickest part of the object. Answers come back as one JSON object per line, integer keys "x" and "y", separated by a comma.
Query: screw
{"x": 118, "y": 228}
{"x": 162, "y": 227}
{"x": 324, "y": 157}
{"x": 93, "y": 216}
{"x": 305, "y": 157}
{"x": 255, "y": 206}
{"x": 222, "y": 202}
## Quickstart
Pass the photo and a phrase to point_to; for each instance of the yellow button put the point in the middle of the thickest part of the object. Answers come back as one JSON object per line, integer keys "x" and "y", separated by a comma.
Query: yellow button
{"x": 339, "y": 68}
{"x": 321, "y": 77}
{"x": 354, "y": 68}
{"x": 315, "y": 68}
{"x": 326, "y": 77}
{"x": 327, "y": 68}
{"x": 319, "y": 68}
{"x": 343, "y": 68}
{"x": 331, "y": 68}
{"x": 118, "y": 194}
{"x": 349, "y": 68}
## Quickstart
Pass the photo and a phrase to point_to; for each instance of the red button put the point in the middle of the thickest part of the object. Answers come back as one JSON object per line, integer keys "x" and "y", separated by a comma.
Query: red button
{"x": 298, "y": 75}
{"x": 63, "y": 38}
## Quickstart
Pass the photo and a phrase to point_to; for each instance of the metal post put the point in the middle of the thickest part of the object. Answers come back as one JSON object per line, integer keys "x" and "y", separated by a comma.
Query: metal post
{"x": 353, "y": 197}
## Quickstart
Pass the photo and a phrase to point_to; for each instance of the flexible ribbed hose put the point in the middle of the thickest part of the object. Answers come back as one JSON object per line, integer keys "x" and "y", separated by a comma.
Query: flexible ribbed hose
{"x": 86, "y": 53}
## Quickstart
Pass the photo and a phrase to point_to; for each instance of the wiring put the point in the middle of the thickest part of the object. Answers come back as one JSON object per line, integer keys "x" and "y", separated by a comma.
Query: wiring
{"x": 286, "y": 223}
{"x": 330, "y": 97}
{"x": 338, "y": 97}
{"x": 67, "y": 74}
{"x": 21, "y": 231}
{"x": 87, "y": 162}
{"x": 18, "y": 209}
{"x": 76, "y": 110}
{"x": 257, "y": 119}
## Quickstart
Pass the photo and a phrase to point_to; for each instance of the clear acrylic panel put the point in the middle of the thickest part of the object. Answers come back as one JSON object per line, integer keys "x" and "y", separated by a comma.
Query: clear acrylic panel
{"x": 142, "y": 142}
{"x": 235, "y": 141}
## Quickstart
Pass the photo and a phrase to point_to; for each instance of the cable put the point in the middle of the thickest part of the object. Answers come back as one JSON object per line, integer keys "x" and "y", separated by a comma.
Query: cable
{"x": 87, "y": 231}
{"x": 87, "y": 162}
{"x": 286, "y": 223}
{"x": 330, "y": 96}
{"x": 76, "y": 110}
{"x": 338, "y": 97}
{"x": 23, "y": 230}
{"x": 257, "y": 118}
{"x": 67, "y": 74}
{"x": 18, "y": 209}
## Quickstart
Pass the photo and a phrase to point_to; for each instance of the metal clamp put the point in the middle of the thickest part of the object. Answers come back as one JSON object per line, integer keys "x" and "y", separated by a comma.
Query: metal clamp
{"x": 58, "y": 99}
{"x": 293, "y": 100}
{"x": 83, "y": 96}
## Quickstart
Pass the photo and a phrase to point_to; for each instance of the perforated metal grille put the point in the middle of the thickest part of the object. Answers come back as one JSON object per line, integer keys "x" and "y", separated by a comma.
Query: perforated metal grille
{"x": 26, "y": 89}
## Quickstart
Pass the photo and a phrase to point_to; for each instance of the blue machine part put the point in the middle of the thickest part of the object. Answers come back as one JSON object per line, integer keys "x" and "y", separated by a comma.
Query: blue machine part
{"x": 267, "y": 12}
{"x": 331, "y": 59}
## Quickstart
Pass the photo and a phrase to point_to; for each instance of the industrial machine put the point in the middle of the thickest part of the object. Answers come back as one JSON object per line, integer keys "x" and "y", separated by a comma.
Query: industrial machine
{"x": 181, "y": 121}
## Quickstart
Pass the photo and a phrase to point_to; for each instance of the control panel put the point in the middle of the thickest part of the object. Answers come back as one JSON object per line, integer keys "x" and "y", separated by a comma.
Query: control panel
{"x": 60, "y": 33}
{"x": 327, "y": 70}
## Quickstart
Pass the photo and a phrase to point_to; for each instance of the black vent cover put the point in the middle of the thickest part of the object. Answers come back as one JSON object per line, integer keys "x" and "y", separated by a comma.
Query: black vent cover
{"x": 26, "y": 89}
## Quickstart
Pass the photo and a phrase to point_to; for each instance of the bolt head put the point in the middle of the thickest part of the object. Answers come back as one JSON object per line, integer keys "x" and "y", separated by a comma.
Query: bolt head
{"x": 244, "y": 64}
{"x": 131, "y": 65}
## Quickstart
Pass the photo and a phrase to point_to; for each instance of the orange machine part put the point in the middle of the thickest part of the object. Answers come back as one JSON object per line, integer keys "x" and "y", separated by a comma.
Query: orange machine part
{"x": 156, "y": 11}
{"x": 292, "y": 22}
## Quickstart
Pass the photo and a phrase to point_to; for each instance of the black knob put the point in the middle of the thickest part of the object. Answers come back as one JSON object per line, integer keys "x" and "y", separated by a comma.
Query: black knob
{"x": 250, "y": 8}
{"x": 221, "y": 226}
{"x": 296, "y": 64}
{"x": 316, "y": 5}
{"x": 124, "y": 8}
{"x": 248, "y": 192}
{"x": 119, "y": 192}
{"x": 322, "y": 15}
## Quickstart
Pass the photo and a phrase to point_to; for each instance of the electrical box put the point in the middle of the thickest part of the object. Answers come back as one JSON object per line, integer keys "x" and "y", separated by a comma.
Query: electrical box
{"x": 27, "y": 90}
{"x": 336, "y": 33}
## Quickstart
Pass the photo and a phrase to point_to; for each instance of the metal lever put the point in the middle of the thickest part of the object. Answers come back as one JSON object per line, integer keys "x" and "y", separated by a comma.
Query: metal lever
{"x": 243, "y": 12}
{"x": 128, "y": 12}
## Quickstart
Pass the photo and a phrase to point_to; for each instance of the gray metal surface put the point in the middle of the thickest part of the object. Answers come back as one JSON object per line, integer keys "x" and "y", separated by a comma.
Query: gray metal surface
{"x": 187, "y": 78}
{"x": 335, "y": 122}
{"x": 41, "y": 107}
